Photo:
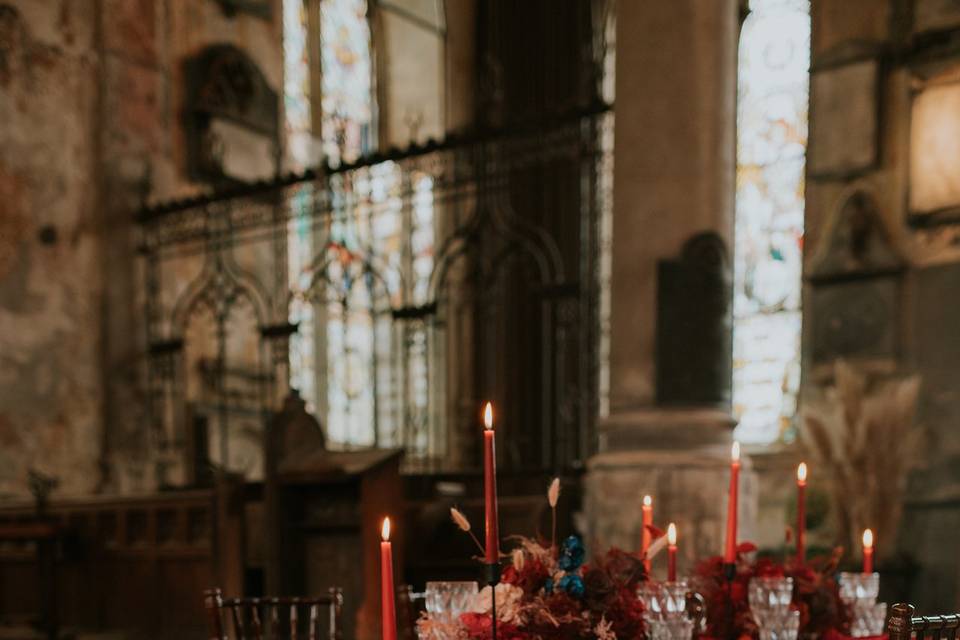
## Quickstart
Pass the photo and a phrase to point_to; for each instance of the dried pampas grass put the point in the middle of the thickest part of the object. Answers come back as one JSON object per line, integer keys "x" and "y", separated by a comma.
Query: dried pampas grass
{"x": 862, "y": 434}
{"x": 464, "y": 525}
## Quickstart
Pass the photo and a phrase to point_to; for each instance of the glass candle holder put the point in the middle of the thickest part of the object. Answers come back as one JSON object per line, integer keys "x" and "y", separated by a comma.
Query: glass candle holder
{"x": 770, "y": 599}
{"x": 445, "y": 601}
{"x": 859, "y": 587}
{"x": 674, "y": 598}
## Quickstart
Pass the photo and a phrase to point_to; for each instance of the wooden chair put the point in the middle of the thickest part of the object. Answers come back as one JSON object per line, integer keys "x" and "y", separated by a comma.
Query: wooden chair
{"x": 903, "y": 625}
{"x": 409, "y": 606}
{"x": 274, "y": 618}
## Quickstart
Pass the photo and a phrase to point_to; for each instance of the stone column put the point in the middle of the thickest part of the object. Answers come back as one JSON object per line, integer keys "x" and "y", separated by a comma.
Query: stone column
{"x": 674, "y": 181}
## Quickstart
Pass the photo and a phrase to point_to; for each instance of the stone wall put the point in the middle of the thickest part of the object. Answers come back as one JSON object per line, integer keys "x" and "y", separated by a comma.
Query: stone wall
{"x": 51, "y": 333}
{"x": 91, "y": 97}
{"x": 881, "y": 269}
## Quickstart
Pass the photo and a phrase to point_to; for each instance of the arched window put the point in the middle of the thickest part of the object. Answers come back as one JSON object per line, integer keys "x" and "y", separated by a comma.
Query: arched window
{"x": 372, "y": 251}
{"x": 772, "y": 110}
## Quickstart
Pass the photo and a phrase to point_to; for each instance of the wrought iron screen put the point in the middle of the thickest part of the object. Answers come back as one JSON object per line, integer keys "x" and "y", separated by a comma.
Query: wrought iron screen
{"x": 472, "y": 267}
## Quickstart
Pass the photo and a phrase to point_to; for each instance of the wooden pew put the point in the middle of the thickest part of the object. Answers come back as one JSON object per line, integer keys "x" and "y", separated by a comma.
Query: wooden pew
{"x": 133, "y": 564}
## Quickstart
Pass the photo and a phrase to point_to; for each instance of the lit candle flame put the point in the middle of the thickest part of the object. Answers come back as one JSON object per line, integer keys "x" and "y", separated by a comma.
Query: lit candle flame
{"x": 867, "y": 539}
{"x": 802, "y": 473}
{"x": 735, "y": 451}
{"x": 488, "y": 416}
{"x": 647, "y": 501}
{"x": 672, "y": 535}
{"x": 385, "y": 530}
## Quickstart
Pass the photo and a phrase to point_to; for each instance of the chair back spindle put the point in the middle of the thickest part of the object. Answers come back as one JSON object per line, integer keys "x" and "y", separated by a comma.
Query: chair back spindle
{"x": 278, "y": 618}
{"x": 902, "y": 624}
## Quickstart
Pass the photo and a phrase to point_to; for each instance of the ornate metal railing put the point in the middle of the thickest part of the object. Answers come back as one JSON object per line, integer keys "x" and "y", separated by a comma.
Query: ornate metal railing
{"x": 395, "y": 293}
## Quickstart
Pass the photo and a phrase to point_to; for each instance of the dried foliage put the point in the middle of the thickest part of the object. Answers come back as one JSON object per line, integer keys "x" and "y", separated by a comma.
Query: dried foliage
{"x": 553, "y": 493}
{"x": 863, "y": 437}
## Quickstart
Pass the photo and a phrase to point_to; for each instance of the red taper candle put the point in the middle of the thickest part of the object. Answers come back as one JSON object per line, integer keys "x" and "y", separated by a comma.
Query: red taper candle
{"x": 867, "y": 551}
{"x": 801, "y": 512}
{"x": 645, "y": 536}
{"x": 730, "y": 551}
{"x": 388, "y": 611}
{"x": 672, "y": 553}
{"x": 490, "y": 487}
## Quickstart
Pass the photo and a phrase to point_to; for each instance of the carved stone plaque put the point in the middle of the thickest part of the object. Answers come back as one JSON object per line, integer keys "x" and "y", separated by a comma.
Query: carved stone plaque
{"x": 231, "y": 118}
{"x": 695, "y": 325}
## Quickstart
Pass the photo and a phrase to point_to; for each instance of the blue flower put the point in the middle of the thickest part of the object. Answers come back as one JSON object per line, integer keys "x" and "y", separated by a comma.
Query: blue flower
{"x": 571, "y": 554}
{"x": 572, "y": 584}
{"x": 548, "y": 585}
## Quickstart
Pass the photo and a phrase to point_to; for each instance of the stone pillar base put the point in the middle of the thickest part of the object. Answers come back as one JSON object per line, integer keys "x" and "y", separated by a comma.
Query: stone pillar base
{"x": 681, "y": 457}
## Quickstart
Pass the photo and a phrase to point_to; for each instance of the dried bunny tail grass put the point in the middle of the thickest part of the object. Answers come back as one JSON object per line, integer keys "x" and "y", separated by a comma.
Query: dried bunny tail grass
{"x": 518, "y": 559}
{"x": 459, "y": 519}
{"x": 464, "y": 525}
{"x": 553, "y": 496}
{"x": 553, "y": 493}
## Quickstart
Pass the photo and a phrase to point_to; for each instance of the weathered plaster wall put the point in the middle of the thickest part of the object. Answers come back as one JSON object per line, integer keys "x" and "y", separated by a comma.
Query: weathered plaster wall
{"x": 90, "y": 126}
{"x": 145, "y": 44}
{"x": 51, "y": 392}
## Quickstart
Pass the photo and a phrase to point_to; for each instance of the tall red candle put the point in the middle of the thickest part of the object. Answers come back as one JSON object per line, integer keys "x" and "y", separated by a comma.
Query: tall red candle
{"x": 801, "y": 512}
{"x": 672, "y": 553}
{"x": 490, "y": 487}
{"x": 730, "y": 552}
{"x": 645, "y": 535}
{"x": 388, "y": 611}
{"x": 867, "y": 551}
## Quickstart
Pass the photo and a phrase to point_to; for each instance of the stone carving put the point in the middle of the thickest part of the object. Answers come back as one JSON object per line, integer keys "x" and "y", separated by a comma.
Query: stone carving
{"x": 694, "y": 325}
{"x": 856, "y": 285}
{"x": 855, "y": 319}
{"x": 231, "y": 117}
{"x": 857, "y": 242}
{"x": 294, "y": 433}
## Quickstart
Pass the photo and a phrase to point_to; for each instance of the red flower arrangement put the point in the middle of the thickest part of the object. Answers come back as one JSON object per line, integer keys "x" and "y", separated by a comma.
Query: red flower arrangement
{"x": 547, "y": 592}
{"x": 817, "y": 594}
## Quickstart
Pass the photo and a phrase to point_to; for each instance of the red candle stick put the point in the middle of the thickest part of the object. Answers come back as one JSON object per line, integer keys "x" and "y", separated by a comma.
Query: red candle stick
{"x": 387, "y": 603}
{"x": 645, "y": 535}
{"x": 801, "y": 512}
{"x": 730, "y": 552}
{"x": 490, "y": 487}
{"x": 867, "y": 551}
{"x": 672, "y": 553}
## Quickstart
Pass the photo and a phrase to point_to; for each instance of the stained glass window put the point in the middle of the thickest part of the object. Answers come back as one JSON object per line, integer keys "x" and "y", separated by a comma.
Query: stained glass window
{"x": 772, "y": 136}
{"x": 300, "y": 145}
{"x": 364, "y": 373}
{"x": 296, "y": 84}
{"x": 347, "y": 70}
